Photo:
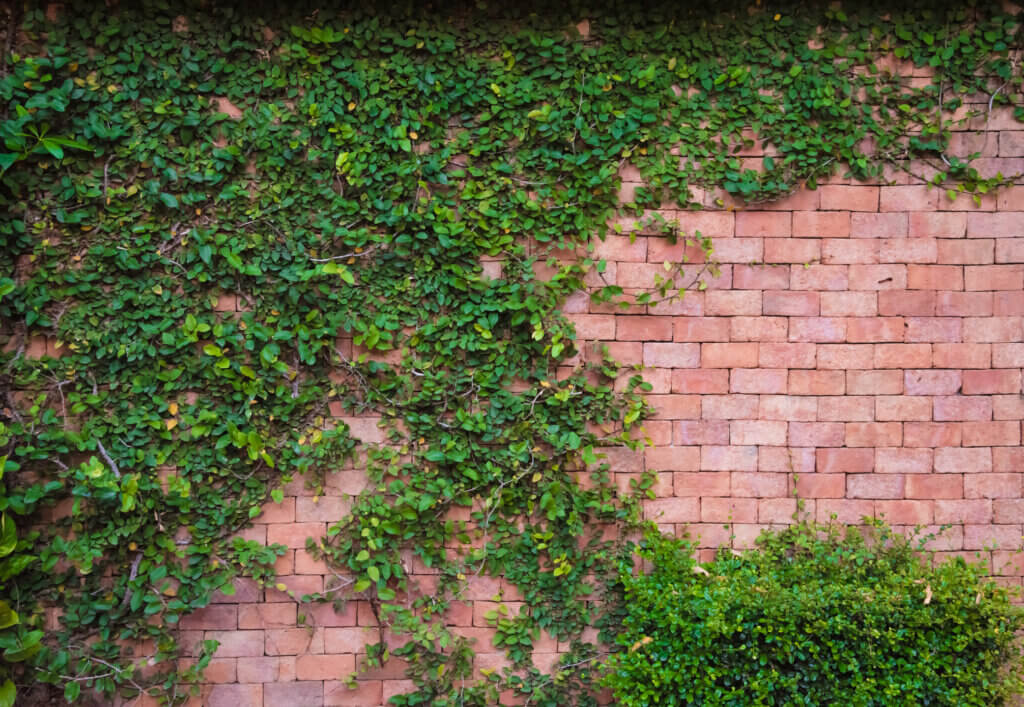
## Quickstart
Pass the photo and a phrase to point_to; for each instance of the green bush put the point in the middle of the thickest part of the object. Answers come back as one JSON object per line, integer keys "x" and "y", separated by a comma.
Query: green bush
{"x": 814, "y": 615}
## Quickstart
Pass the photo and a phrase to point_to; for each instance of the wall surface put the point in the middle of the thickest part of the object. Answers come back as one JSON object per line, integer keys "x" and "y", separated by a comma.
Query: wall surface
{"x": 865, "y": 338}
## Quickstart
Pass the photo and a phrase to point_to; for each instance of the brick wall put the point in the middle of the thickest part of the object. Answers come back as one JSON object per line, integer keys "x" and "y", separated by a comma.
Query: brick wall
{"x": 865, "y": 337}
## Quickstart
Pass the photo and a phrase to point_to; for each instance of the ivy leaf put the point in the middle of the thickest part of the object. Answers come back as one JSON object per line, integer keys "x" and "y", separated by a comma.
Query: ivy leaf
{"x": 8, "y": 693}
{"x": 169, "y": 200}
{"x": 373, "y": 573}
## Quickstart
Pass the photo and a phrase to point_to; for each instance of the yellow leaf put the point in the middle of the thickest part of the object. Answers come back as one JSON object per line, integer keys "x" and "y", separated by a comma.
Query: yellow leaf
{"x": 928, "y": 594}
{"x": 352, "y": 106}
{"x": 173, "y": 408}
{"x": 413, "y": 135}
{"x": 171, "y": 422}
{"x": 777, "y": 17}
{"x": 280, "y": 587}
{"x": 642, "y": 642}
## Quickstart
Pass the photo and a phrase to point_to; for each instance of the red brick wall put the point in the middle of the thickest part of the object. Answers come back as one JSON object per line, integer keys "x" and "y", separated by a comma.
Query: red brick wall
{"x": 864, "y": 337}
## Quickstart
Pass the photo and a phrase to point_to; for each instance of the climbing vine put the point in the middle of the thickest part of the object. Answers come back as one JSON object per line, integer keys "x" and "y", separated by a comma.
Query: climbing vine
{"x": 232, "y": 229}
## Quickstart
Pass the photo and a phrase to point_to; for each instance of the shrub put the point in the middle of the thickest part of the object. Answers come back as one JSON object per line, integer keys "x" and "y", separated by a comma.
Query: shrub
{"x": 814, "y": 615}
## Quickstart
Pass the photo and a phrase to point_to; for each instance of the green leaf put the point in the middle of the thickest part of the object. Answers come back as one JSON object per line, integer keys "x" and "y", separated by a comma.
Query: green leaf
{"x": 169, "y": 200}
{"x": 8, "y": 535}
{"x": 8, "y": 693}
{"x": 373, "y": 573}
{"x": 8, "y": 617}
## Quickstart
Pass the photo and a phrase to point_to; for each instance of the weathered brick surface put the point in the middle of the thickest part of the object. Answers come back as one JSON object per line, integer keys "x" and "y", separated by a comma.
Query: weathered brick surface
{"x": 863, "y": 347}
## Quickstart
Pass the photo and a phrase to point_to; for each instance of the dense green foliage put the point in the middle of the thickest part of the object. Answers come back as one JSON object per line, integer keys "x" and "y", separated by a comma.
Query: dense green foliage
{"x": 815, "y": 615}
{"x": 343, "y": 175}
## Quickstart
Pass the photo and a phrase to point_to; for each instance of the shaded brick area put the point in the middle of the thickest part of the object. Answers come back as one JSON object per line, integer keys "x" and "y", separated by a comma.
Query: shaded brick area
{"x": 862, "y": 346}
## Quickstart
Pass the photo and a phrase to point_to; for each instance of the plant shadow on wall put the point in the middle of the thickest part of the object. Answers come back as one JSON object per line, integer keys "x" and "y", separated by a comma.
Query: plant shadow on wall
{"x": 222, "y": 226}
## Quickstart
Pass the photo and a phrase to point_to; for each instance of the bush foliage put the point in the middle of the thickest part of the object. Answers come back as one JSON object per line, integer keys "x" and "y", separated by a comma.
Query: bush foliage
{"x": 815, "y": 614}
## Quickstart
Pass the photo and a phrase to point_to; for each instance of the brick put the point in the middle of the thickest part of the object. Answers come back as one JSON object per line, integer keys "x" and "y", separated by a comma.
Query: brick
{"x": 964, "y": 304}
{"x": 969, "y": 252}
{"x": 934, "y": 277}
{"x": 763, "y": 224}
{"x": 728, "y": 510}
{"x": 1008, "y": 304}
{"x": 963, "y": 460}
{"x": 675, "y": 407}
{"x": 1003, "y": 380}
{"x": 992, "y": 329}
{"x": 878, "y": 277}
{"x": 816, "y": 224}
{"x": 1010, "y": 250}
{"x": 758, "y": 380}
{"x": 1008, "y": 355}
{"x": 293, "y": 535}
{"x": 339, "y": 694}
{"x": 236, "y": 644}
{"x": 916, "y": 197}
{"x": 621, "y": 248}
{"x": 283, "y": 512}
{"x": 962, "y": 408}
{"x": 1006, "y": 459}
{"x": 819, "y": 277}
{"x": 329, "y": 509}
{"x": 365, "y": 429}
{"x": 821, "y": 485}
{"x": 933, "y": 329}
{"x": 991, "y": 434}
{"x": 963, "y": 511}
{"x": 700, "y": 381}
{"x": 672, "y": 458}
{"x": 846, "y": 408}
{"x": 1008, "y": 510}
{"x": 688, "y": 329}
{"x": 874, "y": 486}
{"x": 1008, "y": 407}
{"x": 874, "y": 382}
{"x": 323, "y": 667}
{"x": 792, "y": 250}
{"x": 837, "y": 461}
{"x": 785, "y": 355}
{"x": 937, "y": 224}
{"x": 960, "y": 356}
{"x": 710, "y": 223}
{"x": 847, "y": 251}
{"x": 849, "y": 198}
{"x": 779, "y": 510}
{"x": 354, "y": 640}
{"x": 785, "y": 459}
{"x": 903, "y": 407}
{"x": 594, "y": 326}
{"x": 977, "y": 537}
{"x": 729, "y": 355}
{"x": 739, "y": 250}
{"x": 804, "y": 382}
{"x": 914, "y": 355}
{"x": 816, "y": 434}
{"x": 703, "y": 432}
{"x": 992, "y": 486}
{"x": 760, "y": 277}
{"x": 932, "y": 382}
{"x": 702, "y": 483}
{"x": 983, "y": 225}
{"x": 277, "y": 615}
{"x": 817, "y": 329}
{"x": 905, "y": 512}
{"x": 729, "y": 407}
{"x": 935, "y": 486}
{"x": 1011, "y": 143}
{"x": 865, "y": 225}
{"x": 849, "y": 304}
{"x": 790, "y": 304}
{"x": 672, "y": 510}
{"x": 843, "y": 356}
{"x": 758, "y": 328}
{"x": 896, "y": 460}
{"x": 875, "y": 329}
{"x": 296, "y": 641}
{"x": 908, "y": 250}
{"x": 758, "y": 484}
{"x": 931, "y": 434}
{"x": 213, "y": 617}
{"x": 993, "y": 277}
{"x": 770, "y": 432}
{"x": 672, "y": 355}
{"x": 874, "y": 434}
{"x": 909, "y": 303}
{"x": 731, "y": 303}
{"x": 787, "y": 407}
{"x": 233, "y": 696}
{"x": 640, "y": 328}
{"x": 844, "y": 510}
{"x": 722, "y": 458}
{"x": 1010, "y": 198}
